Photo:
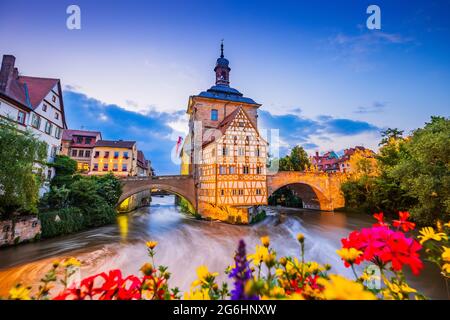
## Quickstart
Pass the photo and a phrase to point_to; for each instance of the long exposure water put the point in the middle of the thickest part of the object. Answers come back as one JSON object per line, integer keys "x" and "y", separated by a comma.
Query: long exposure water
{"x": 185, "y": 243}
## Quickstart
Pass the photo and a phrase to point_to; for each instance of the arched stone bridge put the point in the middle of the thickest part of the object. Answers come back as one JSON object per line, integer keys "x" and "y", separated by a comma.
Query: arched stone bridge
{"x": 318, "y": 190}
{"x": 179, "y": 185}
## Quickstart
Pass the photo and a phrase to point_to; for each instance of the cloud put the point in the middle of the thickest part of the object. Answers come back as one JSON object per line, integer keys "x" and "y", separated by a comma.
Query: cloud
{"x": 156, "y": 132}
{"x": 376, "y": 107}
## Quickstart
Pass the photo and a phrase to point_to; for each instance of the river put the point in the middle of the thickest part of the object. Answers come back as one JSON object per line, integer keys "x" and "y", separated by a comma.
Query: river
{"x": 185, "y": 243}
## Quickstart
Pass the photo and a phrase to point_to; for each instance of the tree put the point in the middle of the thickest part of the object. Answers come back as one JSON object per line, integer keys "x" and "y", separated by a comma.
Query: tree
{"x": 21, "y": 155}
{"x": 65, "y": 169}
{"x": 297, "y": 160}
{"x": 424, "y": 171}
{"x": 109, "y": 188}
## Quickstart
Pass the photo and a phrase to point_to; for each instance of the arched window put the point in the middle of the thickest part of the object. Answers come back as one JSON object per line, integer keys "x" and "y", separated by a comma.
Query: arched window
{"x": 214, "y": 115}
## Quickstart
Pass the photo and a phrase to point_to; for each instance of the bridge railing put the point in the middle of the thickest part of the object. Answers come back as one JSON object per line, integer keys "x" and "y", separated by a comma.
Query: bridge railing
{"x": 156, "y": 178}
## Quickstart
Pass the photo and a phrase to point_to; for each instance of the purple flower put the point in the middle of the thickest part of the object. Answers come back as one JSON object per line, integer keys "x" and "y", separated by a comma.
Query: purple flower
{"x": 241, "y": 273}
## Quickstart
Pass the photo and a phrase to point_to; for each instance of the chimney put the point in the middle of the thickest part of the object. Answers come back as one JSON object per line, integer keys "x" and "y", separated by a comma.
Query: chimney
{"x": 6, "y": 71}
{"x": 317, "y": 154}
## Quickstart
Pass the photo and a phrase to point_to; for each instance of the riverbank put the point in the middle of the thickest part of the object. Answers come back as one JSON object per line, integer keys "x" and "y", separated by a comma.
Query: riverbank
{"x": 185, "y": 243}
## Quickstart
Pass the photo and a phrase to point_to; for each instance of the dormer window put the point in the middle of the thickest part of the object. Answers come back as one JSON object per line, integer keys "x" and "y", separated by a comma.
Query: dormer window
{"x": 44, "y": 107}
{"x": 214, "y": 115}
{"x": 54, "y": 98}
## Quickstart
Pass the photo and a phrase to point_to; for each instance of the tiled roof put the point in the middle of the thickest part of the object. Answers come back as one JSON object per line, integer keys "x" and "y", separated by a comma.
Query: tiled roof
{"x": 115, "y": 143}
{"x": 68, "y": 134}
{"x": 222, "y": 92}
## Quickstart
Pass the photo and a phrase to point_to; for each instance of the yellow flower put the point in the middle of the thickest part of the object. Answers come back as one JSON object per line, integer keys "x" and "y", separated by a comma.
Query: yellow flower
{"x": 401, "y": 290}
{"x": 283, "y": 261}
{"x": 313, "y": 267}
{"x": 147, "y": 269}
{"x": 260, "y": 255}
{"x": 265, "y": 241}
{"x": 428, "y": 233}
{"x": 19, "y": 292}
{"x": 447, "y": 224}
{"x": 349, "y": 255}
{"x": 202, "y": 294}
{"x": 300, "y": 237}
{"x": 340, "y": 288}
{"x": 71, "y": 262}
{"x": 279, "y": 272}
{"x": 293, "y": 266}
{"x": 446, "y": 254}
{"x": 151, "y": 244}
{"x": 277, "y": 292}
{"x": 446, "y": 268}
{"x": 204, "y": 276}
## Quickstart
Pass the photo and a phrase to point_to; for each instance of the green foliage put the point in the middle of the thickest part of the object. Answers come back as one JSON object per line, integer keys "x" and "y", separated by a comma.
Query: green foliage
{"x": 65, "y": 169}
{"x": 20, "y": 179}
{"x": 109, "y": 188}
{"x": 414, "y": 175}
{"x": 285, "y": 197}
{"x": 297, "y": 160}
{"x": 60, "y": 222}
{"x": 260, "y": 216}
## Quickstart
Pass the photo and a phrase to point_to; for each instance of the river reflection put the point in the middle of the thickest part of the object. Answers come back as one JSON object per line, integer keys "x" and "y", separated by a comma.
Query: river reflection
{"x": 185, "y": 243}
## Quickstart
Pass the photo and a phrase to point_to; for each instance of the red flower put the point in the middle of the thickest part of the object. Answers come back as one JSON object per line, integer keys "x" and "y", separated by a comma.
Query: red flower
{"x": 380, "y": 218}
{"x": 403, "y": 223}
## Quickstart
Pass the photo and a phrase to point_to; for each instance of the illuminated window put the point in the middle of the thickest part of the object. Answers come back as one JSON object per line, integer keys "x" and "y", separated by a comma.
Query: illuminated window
{"x": 115, "y": 167}
{"x": 95, "y": 167}
{"x": 105, "y": 167}
{"x": 124, "y": 167}
{"x": 214, "y": 115}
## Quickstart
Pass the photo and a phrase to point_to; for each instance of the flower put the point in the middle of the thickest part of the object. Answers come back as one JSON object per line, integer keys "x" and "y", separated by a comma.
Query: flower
{"x": 241, "y": 274}
{"x": 300, "y": 237}
{"x": 147, "y": 269}
{"x": 446, "y": 254}
{"x": 151, "y": 244}
{"x": 202, "y": 294}
{"x": 428, "y": 233}
{"x": 265, "y": 241}
{"x": 204, "y": 276}
{"x": 350, "y": 256}
{"x": 340, "y": 288}
{"x": 71, "y": 262}
{"x": 403, "y": 223}
{"x": 19, "y": 292}
{"x": 260, "y": 255}
{"x": 380, "y": 218}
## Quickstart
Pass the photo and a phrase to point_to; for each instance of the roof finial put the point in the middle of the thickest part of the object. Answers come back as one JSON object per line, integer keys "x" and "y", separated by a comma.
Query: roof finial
{"x": 221, "y": 49}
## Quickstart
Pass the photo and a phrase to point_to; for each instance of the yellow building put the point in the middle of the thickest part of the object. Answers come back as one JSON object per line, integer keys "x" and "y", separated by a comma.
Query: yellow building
{"x": 78, "y": 145}
{"x": 224, "y": 151}
{"x": 118, "y": 157}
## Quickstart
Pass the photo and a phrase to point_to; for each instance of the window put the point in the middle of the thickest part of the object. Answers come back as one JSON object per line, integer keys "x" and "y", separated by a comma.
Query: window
{"x": 81, "y": 153}
{"x": 125, "y": 154}
{"x": 79, "y": 139}
{"x": 106, "y": 154}
{"x": 234, "y": 192}
{"x": 232, "y": 170}
{"x": 74, "y": 152}
{"x": 258, "y": 170}
{"x": 58, "y": 132}
{"x": 222, "y": 170}
{"x": 241, "y": 124}
{"x": 53, "y": 151}
{"x": 224, "y": 151}
{"x": 21, "y": 117}
{"x": 258, "y": 152}
{"x": 116, "y": 154}
{"x": 48, "y": 127}
{"x": 115, "y": 167}
{"x": 54, "y": 98}
{"x": 105, "y": 167}
{"x": 241, "y": 151}
{"x": 87, "y": 153}
{"x": 95, "y": 167}
{"x": 97, "y": 154}
{"x": 35, "y": 121}
{"x": 214, "y": 115}
{"x": 241, "y": 192}
{"x": 245, "y": 169}
{"x": 247, "y": 139}
{"x": 56, "y": 115}
{"x": 87, "y": 140}
{"x": 222, "y": 192}
{"x": 213, "y": 152}
{"x": 49, "y": 174}
{"x": 44, "y": 107}
{"x": 124, "y": 167}
{"x": 258, "y": 192}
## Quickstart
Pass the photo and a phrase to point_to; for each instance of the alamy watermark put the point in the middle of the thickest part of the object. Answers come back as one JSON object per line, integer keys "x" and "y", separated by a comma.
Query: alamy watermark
{"x": 374, "y": 20}
{"x": 73, "y": 21}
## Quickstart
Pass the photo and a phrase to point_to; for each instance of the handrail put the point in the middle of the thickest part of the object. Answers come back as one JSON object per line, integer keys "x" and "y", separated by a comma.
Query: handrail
{"x": 137, "y": 178}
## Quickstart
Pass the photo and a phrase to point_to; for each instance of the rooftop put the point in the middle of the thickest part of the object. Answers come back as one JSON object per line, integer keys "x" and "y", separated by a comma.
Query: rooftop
{"x": 115, "y": 144}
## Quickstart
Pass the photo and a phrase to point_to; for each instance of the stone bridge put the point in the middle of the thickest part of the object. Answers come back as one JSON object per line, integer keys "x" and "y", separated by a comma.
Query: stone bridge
{"x": 180, "y": 185}
{"x": 318, "y": 190}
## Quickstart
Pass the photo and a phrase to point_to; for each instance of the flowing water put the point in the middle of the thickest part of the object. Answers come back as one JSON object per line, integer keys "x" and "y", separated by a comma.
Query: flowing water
{"x": 185, "y": 243}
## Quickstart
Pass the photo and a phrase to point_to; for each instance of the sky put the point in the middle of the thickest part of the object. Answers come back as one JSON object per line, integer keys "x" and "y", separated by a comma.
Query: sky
{"x": 324, "y": 80}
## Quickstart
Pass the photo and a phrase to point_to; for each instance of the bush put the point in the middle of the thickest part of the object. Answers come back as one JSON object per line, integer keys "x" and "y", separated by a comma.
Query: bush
{"x": 70, "y": 220}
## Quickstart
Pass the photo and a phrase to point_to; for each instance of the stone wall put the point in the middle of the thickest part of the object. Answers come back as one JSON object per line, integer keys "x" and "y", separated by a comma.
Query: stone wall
{"x": 19, "y": 230}
{"x": 137, "y": 200}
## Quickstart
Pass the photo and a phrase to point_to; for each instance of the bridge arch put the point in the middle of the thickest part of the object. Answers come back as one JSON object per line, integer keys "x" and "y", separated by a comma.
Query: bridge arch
{"x": 319, "y": 191}
{"x": 182, "y": 186}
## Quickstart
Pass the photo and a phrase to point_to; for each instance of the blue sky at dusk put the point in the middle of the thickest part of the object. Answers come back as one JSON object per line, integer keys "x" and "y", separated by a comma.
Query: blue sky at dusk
{"x": 324, "y": 80}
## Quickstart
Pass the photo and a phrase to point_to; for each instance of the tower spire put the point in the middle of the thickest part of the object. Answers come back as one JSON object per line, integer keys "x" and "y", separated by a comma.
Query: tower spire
{"x": 222, "y": 69}
{"x": 221, "y": 49}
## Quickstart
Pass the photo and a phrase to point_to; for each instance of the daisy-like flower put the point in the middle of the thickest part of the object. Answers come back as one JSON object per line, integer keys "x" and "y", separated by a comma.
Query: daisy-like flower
{"x": 428, "y": 233}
